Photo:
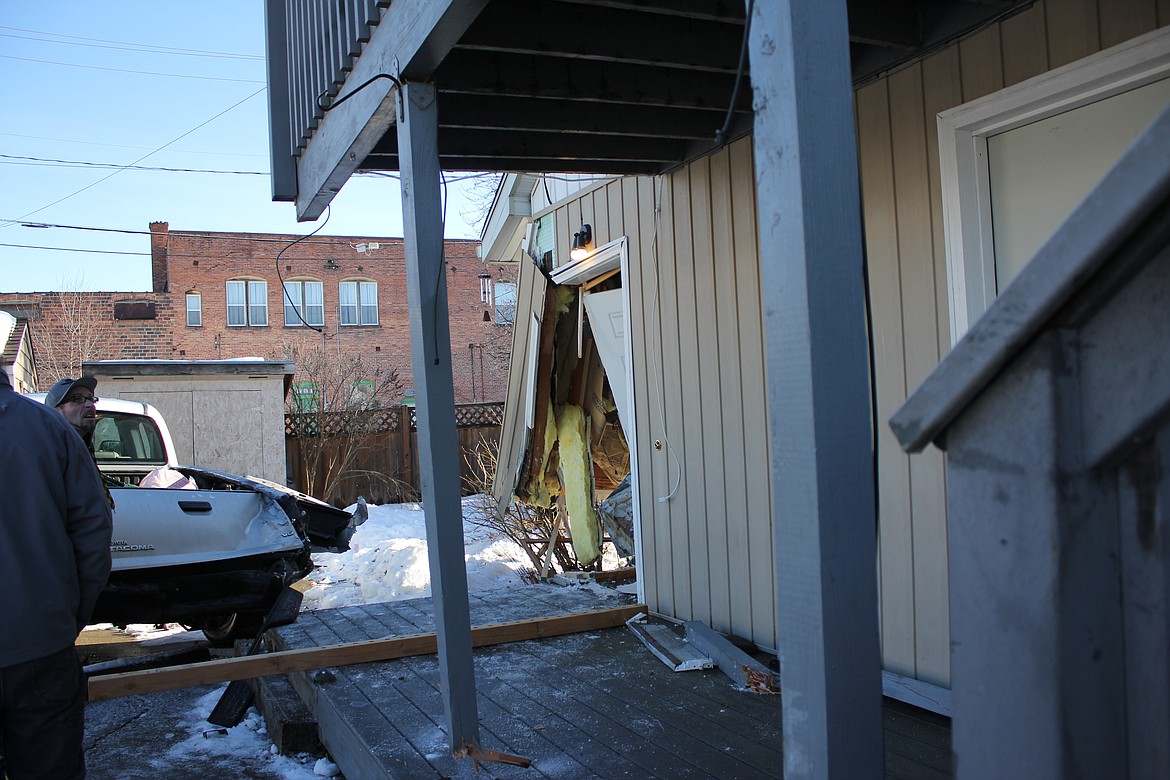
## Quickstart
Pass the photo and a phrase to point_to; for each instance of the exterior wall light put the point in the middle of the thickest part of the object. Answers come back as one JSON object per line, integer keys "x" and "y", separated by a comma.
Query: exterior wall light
{"x": 582, "y": 243}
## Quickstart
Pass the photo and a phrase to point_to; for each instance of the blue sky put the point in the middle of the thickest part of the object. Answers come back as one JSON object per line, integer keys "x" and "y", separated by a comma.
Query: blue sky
{"x": 93, "y": 84}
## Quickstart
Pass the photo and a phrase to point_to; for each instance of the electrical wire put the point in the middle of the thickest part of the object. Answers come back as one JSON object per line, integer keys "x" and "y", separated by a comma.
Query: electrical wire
{"x": 128, "y": 146}
{"x": 337, "y": 102}
{"x": 280, "y": 276}
{"x": 49, "y": 162}
{"x": 145, "y": 48}
{"x": 658, "y": 377}
{"x": 140, "y": 159}
{"x": 721, "y": 134}
{"x": 65, "y": 249}
{"x": 222, "y": 236}
{"x": 127, "y": 70}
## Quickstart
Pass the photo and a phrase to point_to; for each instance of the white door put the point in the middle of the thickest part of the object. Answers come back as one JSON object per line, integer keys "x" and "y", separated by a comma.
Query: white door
{"x": 607, "y": 319}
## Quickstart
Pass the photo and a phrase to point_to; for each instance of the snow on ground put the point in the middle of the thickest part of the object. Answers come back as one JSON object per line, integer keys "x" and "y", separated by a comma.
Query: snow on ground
{"x": 194, "y": 737}
{"x": 387, "y": 560}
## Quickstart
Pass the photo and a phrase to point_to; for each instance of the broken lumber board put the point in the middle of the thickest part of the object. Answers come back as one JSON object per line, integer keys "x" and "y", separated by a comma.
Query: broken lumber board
{"x": 111, "y": 686}
{"x": 626, "y": 574}
{"x": 744, "y": 670}
{"x": 669, "y": 647}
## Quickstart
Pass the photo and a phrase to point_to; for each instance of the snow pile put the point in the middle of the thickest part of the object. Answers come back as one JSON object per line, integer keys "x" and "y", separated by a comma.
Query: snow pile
{"x": 387, "y": 560}
{"x": 244, "y": 745}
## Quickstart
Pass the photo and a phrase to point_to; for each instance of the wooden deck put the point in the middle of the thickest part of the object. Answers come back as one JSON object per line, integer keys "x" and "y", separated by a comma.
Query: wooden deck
{"x": 591, "y": 705}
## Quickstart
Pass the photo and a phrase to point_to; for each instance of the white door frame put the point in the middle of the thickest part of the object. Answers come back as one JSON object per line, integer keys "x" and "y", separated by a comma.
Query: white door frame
{"x": 962, "y": 137}
{"x": 605, "y": 258}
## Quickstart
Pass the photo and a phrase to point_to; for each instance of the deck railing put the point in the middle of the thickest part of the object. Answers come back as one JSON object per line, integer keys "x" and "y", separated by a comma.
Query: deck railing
{"x": 312, "y": 47}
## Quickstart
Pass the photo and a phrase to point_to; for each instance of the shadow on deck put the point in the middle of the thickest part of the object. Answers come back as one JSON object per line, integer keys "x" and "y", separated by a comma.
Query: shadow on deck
{"x": 590, "y": 705}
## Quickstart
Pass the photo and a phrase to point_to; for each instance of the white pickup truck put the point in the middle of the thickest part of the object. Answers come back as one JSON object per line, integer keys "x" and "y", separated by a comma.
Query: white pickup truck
{"x": 214, "y": 555}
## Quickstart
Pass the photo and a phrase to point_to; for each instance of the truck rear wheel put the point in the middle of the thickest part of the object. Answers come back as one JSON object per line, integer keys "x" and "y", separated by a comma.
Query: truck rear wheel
{"x": 222, "y": 630}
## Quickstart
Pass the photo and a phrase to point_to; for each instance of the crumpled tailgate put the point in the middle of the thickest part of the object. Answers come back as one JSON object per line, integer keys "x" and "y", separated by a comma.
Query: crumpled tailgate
{"x": 162, "y": 527}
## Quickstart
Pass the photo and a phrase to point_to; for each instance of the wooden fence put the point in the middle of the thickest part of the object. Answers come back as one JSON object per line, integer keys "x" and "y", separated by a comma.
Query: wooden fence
{"x": 385, "y": 470}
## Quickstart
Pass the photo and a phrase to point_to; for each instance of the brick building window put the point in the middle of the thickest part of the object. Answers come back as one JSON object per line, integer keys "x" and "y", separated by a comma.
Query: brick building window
{"x": 194, "y": 310}
{"x": 504, "y": 294}
{"x": 304, "y": 299}
{"x": 247, "y": 302}
{"x": 359, "y": 303}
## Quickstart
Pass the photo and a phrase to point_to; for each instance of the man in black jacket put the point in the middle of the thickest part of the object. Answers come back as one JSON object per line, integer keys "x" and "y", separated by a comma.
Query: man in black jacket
{"x": 55, "y": 526}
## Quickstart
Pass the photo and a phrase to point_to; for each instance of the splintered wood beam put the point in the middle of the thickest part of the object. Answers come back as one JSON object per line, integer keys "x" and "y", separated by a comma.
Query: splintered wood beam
{"x": 111, "y": 686}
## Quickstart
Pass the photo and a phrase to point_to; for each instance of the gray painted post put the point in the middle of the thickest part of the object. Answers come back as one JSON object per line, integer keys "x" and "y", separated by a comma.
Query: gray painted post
{"x": 818, "y": 385}
{"x": 438, "y": 446}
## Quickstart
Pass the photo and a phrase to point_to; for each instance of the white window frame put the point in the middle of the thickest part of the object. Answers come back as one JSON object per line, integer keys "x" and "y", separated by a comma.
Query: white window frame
{"x": 197, "y": 310}
{"x": 296, "y": 302}
{"x": 254, "y": 303}
{"x": 362, "y": 289}
{"x": 962, "y": 136}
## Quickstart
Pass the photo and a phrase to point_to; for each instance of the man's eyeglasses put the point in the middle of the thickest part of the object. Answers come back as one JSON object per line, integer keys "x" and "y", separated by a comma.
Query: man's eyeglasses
{"x": 81, "y": 399}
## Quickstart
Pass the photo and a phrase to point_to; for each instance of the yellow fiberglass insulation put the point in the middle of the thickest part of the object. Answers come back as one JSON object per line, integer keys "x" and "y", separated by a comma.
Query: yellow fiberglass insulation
{"x": 543, "y": 487}
{"x": 576, "y": 473}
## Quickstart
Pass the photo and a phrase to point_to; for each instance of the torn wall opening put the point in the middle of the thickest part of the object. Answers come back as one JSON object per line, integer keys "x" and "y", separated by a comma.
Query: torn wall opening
{"x": 577, "y": 458}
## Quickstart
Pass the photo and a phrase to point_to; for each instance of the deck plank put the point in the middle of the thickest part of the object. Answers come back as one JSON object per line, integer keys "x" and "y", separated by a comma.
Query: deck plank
{"x": 583, "y": 706}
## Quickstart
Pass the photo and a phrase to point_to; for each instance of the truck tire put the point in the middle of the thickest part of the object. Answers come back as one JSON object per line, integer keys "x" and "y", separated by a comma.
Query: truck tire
{"x": 223, "y": 630}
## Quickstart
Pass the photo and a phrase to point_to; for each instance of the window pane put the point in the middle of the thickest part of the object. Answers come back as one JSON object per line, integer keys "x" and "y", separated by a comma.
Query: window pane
{"x": 194, "y": 310}
{"x": 369, "y": 301}
{"x": 257, "y": 303}
{"x": 292, "y": 302}
{"x": 505, "y": 303}
{"x": 236, "y": 310}
{"x": 347, "y": 291}
{"x": 315, "y": 303}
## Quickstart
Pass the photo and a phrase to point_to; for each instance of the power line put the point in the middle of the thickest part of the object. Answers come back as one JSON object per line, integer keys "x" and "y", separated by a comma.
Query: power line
{"x": 140, "y": 159}
{"x": 53, "y": 163}
{"x": 66, "y": 249}
{"x": 148, "y": 48}
{"x": 128, "y": 146}
{"x": 126, "y": 70}
{"x": 223, "y": 236}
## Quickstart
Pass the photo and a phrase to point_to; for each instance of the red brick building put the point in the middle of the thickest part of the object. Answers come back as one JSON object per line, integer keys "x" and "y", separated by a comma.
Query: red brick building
{"x": 218, "y": 296}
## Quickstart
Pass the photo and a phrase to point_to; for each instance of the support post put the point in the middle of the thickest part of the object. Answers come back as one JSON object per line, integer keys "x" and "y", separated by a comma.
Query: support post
{"x": 438, "y": 445}
{"x": 818, "y": 385}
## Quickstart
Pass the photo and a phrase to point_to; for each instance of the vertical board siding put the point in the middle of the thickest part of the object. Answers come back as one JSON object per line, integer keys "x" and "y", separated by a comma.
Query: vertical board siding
{"x": 920, "y": 319}
{"x": 1073, "y": 31}
{"x": 675, "y": 298}
{"x": 1025, "y": 46}
{"x": 1126, "y": 19}
{"x": 698, "y": 368}
{"x": 757, "y": 416}
{"x": 895, "y": 539}
{"x": 706, "y": 397}
{"x": 729, "y": 571}
{"x": 532, "y": 287}
{"x": 982, "y": 62}
{"x": 670, "y": 546}
{"x": 901, "y": 194}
